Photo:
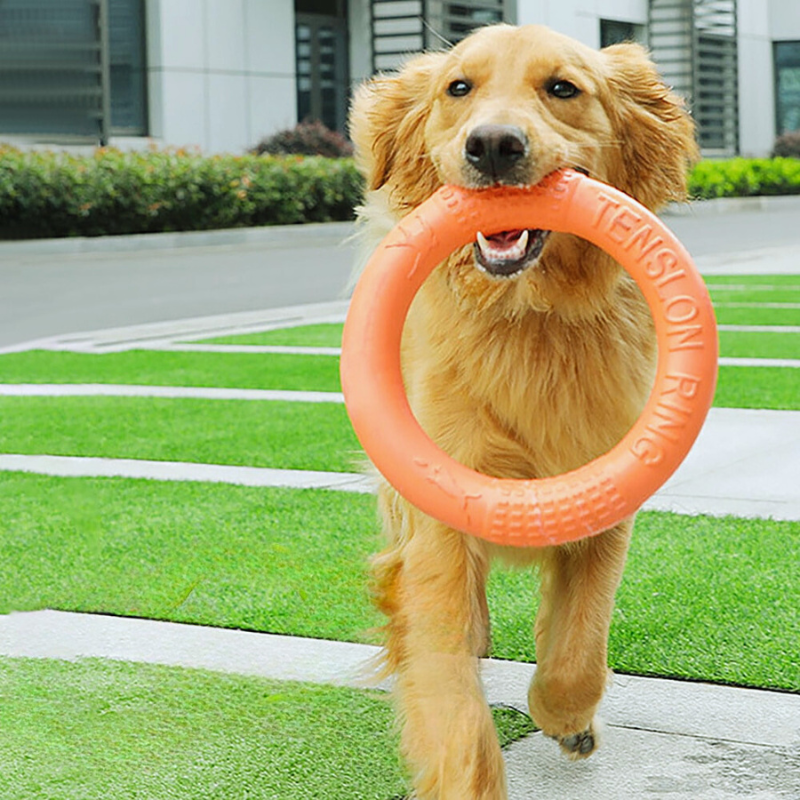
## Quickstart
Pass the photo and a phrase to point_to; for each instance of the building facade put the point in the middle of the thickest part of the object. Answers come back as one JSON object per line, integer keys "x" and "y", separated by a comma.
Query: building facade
{"x": 222, "y": 74}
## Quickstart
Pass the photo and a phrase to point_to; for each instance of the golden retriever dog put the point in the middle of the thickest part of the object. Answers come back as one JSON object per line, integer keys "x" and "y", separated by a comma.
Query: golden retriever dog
{"x": 525, "y": 355}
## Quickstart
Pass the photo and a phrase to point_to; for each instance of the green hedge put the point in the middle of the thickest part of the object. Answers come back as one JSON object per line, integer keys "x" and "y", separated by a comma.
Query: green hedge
{"x": 745, "y": 177}
{"x": 45, "y": 194}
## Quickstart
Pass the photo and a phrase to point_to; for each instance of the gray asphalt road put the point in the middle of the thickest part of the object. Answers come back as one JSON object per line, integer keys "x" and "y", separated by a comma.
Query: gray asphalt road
{"x": 45, "y": 294}
{"x": 705, "y": 233}
{"x": 131, "y": 281}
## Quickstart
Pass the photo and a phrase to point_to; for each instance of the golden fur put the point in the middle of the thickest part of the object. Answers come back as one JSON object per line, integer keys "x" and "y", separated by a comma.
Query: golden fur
{"x": 523, "y": 377}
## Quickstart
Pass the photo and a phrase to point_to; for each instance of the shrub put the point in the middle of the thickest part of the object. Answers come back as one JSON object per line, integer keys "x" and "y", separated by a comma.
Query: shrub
{"x": 787, "y": 145}
{"x": 45, "y": 194}
{"x": 306, "y": 139}
{"x": 744, "y": 177}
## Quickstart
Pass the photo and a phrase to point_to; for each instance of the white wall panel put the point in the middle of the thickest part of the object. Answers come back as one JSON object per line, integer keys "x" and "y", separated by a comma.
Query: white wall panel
{"x": 182, "y": 32}
{"x": 784, "y": 19}
{"x": 183, "y": 100}
{"x": 227, "y": 113}
{"x": 221, "y": 72}
{"x": 225, "y": 34}
{"x": 273, "y": 106}
{"x": 269, "y": 37}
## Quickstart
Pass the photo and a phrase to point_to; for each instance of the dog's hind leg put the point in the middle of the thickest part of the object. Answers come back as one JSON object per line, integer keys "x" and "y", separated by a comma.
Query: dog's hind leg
{"x": 578, "y": 586}
{"x": 431, "y": 583}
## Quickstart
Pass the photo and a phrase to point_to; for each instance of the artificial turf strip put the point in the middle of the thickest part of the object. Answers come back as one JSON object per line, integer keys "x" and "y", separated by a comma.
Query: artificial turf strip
{"x": 787, "y": 281}
{"x": 310, "y": 436}
{"x": 776, "y": 388}
{"x": 745, "y": 344}
{"x": 291, "y": 562}
{"x": 756, "y": 295}
{"x": 163, "y": 368}
{"x": 325, "y": 334}
{"x": 94, "y": 729}
{"x": 702, "y": 598}
{"x": 728, "y": 314}
{"x": 738, "y": 387}
{"x": 735, "y": 344}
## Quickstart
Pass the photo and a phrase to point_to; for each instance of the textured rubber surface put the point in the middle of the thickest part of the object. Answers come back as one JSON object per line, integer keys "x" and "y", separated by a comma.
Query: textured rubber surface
{"x": 588, "y": 500}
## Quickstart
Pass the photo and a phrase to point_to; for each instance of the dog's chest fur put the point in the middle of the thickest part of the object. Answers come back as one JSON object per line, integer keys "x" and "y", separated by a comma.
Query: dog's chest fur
{"x": 527, "y": 396}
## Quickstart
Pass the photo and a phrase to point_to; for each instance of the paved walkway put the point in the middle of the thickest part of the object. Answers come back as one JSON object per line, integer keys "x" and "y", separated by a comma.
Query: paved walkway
{"x": 684, "y": 741}
{"x": 170, "y": 392}
{"x": 744, "y": 462}
{"x": 670, "y": 739}
{"x": 180, "y": 331}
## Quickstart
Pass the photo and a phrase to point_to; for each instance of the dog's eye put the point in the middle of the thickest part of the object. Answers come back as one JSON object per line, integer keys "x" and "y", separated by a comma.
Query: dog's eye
{"x": 563, "y": 90}
{"x": 459, "y": 88}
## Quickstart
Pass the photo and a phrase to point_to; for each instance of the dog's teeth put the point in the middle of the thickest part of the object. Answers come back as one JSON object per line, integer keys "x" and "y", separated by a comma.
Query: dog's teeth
{"x": 490, "y": 250}
{"x": 483, "y": 244}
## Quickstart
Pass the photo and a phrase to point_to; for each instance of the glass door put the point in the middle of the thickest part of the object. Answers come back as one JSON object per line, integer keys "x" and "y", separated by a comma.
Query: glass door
{"x": 322, "y": 80}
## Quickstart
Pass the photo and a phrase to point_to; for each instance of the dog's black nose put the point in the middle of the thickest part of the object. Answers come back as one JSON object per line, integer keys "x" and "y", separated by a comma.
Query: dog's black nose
{"x": 495, "y": 149}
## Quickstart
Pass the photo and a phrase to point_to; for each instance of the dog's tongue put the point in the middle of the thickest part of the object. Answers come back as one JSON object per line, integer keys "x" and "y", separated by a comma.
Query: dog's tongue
{"x": 505, "y": 238}
{"x": 503, "y": 246}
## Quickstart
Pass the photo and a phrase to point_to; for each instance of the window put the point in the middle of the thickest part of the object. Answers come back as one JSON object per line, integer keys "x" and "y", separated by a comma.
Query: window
{"x": 321, "y": 53}
{"x": 458, "y": 20}
{"x": 787, "y": 86}
{"x": 614, "y": 32}
{"x": 695, "y": 45}
{"x": 72, "y": 68}
{"x": 126, "y": 45}
{"x": 401, "y": 27}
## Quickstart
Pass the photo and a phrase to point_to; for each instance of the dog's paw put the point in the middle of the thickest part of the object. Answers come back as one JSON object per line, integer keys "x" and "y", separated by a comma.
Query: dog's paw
{"x": 580, "y": 745}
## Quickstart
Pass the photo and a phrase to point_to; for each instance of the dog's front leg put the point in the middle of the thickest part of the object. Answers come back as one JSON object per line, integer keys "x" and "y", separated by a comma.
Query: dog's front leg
{"x": 579, "y": 582}
{"x": 431, "y": 582}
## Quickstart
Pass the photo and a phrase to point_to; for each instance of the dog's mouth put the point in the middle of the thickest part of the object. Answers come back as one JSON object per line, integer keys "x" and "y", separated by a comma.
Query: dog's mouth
{"x": 508, "y": 253}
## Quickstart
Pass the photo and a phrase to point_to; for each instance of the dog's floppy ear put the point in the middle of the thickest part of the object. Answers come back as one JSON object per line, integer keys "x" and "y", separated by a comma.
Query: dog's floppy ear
{"x": 387, "y": 121}
{"x": 655, "y": 131}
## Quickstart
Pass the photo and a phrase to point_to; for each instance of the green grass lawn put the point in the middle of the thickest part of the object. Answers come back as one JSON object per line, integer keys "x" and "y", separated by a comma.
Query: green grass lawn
{"x": 758, "y": 387}
{"x": 728, "y": 291}
{"x": 314, "y": 436}
{"x": 734, "y": 344}
{"x": 327, "y": 334}
{"x": 94, "y": 730}
{"x": 756, "y": 315}
{"x": 702, "y": 598}
{"x": 706, "y": 598}
{"x": 160, "y": 368}
{"x": 756, "y": 294}
{"x": 738, "y": 387}
{"x": 745, "y": 344}
{"x": 752, "y": 282}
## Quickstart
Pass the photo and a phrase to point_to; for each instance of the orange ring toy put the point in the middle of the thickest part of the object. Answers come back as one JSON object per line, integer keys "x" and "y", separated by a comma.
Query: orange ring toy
{"x": 587, "y": 500}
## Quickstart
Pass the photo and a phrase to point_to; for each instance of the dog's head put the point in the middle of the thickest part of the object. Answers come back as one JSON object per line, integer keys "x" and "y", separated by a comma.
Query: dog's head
{"x": 508, "y": 106}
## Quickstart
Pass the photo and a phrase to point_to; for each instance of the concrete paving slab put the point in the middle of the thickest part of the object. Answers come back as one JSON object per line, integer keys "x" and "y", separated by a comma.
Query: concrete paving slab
{"x": 93, "y": 467}
{"x": 636, "y": 764}
{"x": 170, "y": 392}
{"x": 252, "y": 349}
{"x": 662, "y": 737}
{"x": 745, "y": 462}
{"x": 782, "y": 363}
{"x": 157, "y": 334}
{"x": 663, "y": 706}
{"x": 762, "y": 261}
{"x": 70, "y": 636}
